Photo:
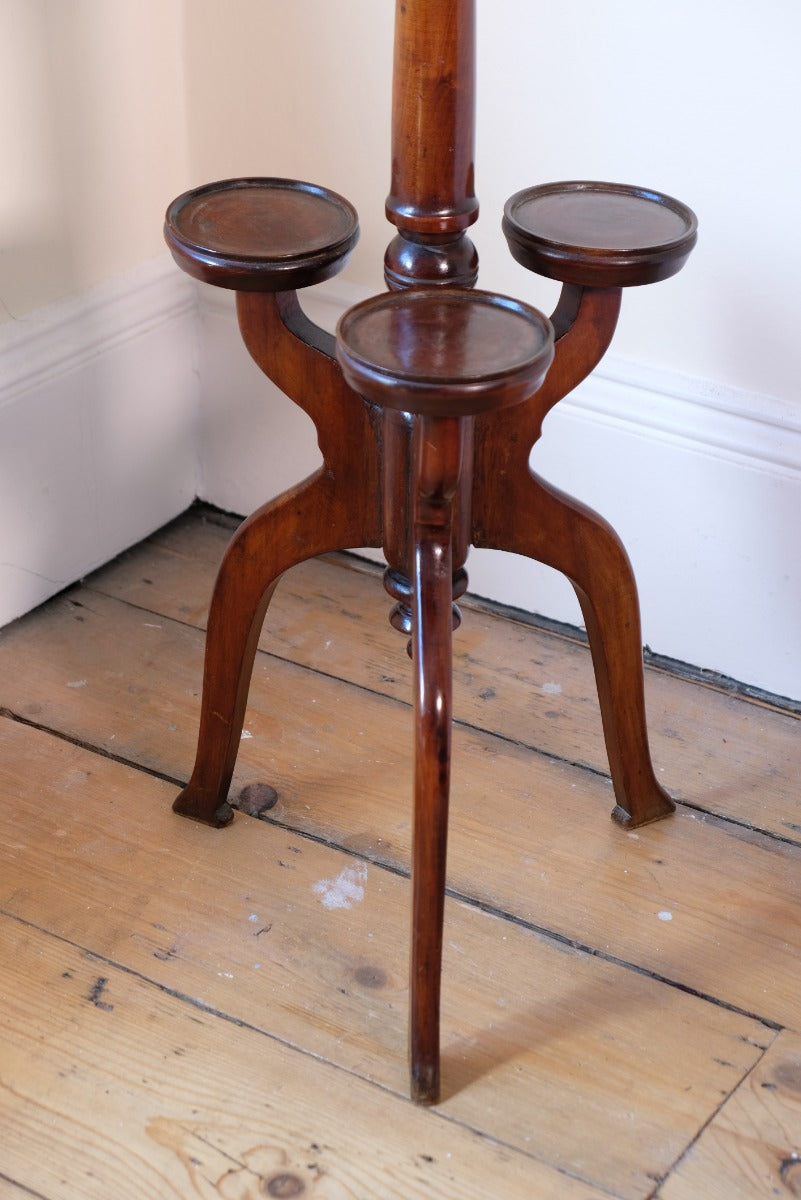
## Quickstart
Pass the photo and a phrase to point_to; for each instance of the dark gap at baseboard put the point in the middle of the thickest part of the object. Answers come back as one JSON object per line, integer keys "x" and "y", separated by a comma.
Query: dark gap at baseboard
{"x": 659, "y": 662}
{"x": 575, "y": 633}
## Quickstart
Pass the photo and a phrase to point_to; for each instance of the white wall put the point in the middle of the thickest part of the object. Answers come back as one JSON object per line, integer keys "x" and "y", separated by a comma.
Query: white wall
{"x": 92, "y": 141}
{"x": 98, "y": 398}
{"x": 689, "y": 436}
{"x": 698, "y": 98}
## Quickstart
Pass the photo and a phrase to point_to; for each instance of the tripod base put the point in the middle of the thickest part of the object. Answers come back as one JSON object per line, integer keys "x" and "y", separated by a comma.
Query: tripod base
{"x": 427, "y": 407}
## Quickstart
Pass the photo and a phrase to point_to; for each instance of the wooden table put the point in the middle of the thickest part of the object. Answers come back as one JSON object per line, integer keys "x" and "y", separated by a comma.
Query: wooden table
{"x": 427, "y": 405}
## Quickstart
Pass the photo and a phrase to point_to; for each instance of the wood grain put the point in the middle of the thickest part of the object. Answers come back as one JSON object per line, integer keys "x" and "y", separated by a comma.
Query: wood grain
{"x": 530, "y": 837}
{"x": 752, "y": 1148}
{"x": 567, "y": 1066}
{"x": 186, "y": 1104}
{"x": 235, "y": 923}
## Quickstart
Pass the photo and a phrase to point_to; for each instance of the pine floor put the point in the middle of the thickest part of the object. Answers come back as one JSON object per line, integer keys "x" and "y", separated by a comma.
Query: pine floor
{"x": 190, "y": 1013}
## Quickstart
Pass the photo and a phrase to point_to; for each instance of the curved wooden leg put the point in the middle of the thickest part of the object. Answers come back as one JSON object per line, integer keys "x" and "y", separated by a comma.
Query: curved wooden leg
{"x": 432, "y": 668}
{"x": 438, "y": 456}
{"x": 308, "y": 520}
{"x": 545, "y": 524}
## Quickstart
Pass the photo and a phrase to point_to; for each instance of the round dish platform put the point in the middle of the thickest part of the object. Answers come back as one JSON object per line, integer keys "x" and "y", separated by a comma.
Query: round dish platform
{"x": 445, "y": 352}
{"x": 264, "y": 235}
{"x": 599, "y": 234}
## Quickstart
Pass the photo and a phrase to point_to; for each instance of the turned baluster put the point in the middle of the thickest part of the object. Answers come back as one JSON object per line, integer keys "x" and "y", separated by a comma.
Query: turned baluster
{"x": 431, "y": 202}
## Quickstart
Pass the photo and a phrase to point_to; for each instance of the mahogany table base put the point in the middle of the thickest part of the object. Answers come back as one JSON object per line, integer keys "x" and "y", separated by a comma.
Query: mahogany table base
{"x": 366, "y": 455}
{"x": 427, "y": 405}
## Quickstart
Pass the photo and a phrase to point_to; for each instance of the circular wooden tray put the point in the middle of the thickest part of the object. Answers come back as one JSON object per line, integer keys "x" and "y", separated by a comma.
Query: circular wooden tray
{"x": 444, "y": 351}
{"x": 599, "y": 234}
{"x": 267, "y": 235}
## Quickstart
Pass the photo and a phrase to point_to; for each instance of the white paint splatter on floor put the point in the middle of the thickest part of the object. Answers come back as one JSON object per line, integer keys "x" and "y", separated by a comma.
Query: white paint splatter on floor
{"x": 344, "y": 891}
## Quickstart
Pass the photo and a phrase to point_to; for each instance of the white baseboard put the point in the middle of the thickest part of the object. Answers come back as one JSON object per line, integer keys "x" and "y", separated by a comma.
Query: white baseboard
{"x": 98, "y": 402}
{"x": 703, "y": 484}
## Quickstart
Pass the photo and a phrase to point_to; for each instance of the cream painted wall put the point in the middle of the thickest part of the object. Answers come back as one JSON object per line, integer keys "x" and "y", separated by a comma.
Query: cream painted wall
{"x": 300, "y": 90}
{"x": 109, "y": 107}
{"x": 689, "y": 438}
{"x": 98, "y": 397}
{"x": 93, "y": 141}
{"x": 698, "y": 98}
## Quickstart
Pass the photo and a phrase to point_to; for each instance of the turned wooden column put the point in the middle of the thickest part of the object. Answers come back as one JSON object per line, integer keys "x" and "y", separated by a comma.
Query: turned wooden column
{"x": 431, "y": 202}
{"x": 432, "y": 197}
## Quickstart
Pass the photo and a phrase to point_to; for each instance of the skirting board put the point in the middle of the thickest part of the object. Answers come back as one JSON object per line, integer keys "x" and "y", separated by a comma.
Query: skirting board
{"x": 98, "y": 408}
{"x": 702, "y": 483}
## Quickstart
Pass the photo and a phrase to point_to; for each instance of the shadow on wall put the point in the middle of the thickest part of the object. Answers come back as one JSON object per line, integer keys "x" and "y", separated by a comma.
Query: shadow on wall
{"x": 96, "y": 382}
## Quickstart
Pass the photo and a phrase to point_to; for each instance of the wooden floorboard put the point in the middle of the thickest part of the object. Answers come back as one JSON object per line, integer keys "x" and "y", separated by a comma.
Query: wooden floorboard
{"x": 186, "y": 1103}
{"x": 751, "y": 1147}
{"x": 620, "y": 1012}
